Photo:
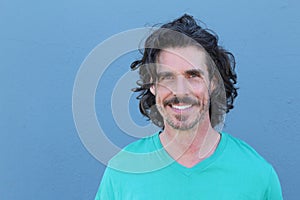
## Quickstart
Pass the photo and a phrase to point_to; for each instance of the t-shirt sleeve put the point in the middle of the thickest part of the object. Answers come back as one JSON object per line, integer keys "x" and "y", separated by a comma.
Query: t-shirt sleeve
{"x": 105, "y": 190}
{"x": 274, "y": 189}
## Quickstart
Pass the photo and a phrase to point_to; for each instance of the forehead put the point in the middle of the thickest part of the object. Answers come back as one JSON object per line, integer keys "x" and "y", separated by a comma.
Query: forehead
{"x": 182, "y": 59}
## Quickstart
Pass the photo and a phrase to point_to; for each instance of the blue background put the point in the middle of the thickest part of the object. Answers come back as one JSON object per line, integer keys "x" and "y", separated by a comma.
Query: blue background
{"x": 43, "y": 43}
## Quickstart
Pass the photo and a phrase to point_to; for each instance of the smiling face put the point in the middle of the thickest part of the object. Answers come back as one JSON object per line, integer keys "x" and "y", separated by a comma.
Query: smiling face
{"x": 181, "y": 88}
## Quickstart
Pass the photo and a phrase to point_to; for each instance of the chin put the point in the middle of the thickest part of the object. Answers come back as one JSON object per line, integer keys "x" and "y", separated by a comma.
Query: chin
{"x": 183, "y": 126}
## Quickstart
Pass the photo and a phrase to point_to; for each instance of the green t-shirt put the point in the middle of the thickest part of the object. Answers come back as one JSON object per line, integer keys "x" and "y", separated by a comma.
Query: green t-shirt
{"x": 234, "y": 172}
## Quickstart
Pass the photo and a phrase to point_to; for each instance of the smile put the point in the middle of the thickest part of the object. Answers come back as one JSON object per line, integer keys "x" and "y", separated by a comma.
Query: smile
{"x": 181, "y": 107}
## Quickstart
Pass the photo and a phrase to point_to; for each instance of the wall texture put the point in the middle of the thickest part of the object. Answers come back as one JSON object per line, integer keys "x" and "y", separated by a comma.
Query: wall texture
{"x": 43, "y": 43}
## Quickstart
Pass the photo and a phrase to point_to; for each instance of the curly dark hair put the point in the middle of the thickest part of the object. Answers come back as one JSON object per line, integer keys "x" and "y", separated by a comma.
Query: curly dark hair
{"x": 184, "y": 32}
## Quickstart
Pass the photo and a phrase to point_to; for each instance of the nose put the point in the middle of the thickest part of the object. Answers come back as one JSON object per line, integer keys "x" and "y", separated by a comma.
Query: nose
{"x": 181, "y": 86}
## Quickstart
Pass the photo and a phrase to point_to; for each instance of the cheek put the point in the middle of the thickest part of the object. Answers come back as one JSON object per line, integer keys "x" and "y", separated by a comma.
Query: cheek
{"x": 162, "y": 92}
{"x": 202, "y": 94}
{"x": 164, "y": 89}
{"x": 200, "y": 89}
{"x": 198, "y": 83}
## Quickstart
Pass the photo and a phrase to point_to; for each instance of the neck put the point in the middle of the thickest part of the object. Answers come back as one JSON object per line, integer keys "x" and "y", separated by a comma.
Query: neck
{"x": 190, "y": 147}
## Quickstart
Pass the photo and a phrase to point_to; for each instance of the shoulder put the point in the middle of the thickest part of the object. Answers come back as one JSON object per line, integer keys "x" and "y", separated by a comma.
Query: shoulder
{"x": 144, "y": 145}
{"x": 250, "y": 162}
{"x": 240, "y": 146}
{"x": 138, "y": 157}
{"x": 241, "y": 157}
{"x": 245, "y": 154}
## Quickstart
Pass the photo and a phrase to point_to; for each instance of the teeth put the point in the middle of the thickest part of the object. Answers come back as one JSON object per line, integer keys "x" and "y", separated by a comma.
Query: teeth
{"x": 181, "y": 107}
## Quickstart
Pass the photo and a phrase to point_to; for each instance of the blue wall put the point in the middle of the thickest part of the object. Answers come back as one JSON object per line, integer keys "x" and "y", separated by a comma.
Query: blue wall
{"x": 43, "y": 43}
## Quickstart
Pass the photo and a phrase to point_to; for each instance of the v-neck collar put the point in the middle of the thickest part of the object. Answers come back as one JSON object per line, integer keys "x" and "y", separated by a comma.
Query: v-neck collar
{"x": 202, "y": 165}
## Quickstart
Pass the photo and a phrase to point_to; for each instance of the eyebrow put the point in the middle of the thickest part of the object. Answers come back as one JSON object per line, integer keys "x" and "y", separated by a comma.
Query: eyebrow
{"x": 163, "y": 74}
{"x": 194, "y": 72}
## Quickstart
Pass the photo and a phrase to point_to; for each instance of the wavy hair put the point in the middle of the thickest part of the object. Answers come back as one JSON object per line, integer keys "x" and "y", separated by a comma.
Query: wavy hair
{"x": 184, "y": 32}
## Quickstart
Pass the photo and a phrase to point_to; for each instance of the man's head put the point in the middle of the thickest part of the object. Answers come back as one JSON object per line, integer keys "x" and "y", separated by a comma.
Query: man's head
{"x": 197, "y": 71}
{"x": 182, "y": 86}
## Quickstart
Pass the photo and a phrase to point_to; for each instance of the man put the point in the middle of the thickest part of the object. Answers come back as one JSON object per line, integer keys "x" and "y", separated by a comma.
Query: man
{"x": 187, "y": 84}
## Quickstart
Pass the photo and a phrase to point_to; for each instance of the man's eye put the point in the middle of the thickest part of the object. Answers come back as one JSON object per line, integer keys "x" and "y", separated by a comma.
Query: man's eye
{"x": 167, "y": 77}
{"x": 193, "y": 75}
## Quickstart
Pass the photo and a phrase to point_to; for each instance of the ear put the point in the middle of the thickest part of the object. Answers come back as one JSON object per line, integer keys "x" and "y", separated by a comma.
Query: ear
{"x": 212, "y": 84}
{"x": 152, "y": 89}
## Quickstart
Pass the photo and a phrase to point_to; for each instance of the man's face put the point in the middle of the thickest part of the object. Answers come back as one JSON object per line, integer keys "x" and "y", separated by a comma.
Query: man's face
{"x": 181, "y": 89}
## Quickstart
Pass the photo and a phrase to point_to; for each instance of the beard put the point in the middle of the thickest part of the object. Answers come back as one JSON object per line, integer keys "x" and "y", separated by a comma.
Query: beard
{"x": 187, "y": 121}
{"x": 181, "y": 123}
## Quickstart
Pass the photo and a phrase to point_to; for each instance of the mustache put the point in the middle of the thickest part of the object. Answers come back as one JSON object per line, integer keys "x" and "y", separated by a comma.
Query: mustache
{"x": 177, "y": 100}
